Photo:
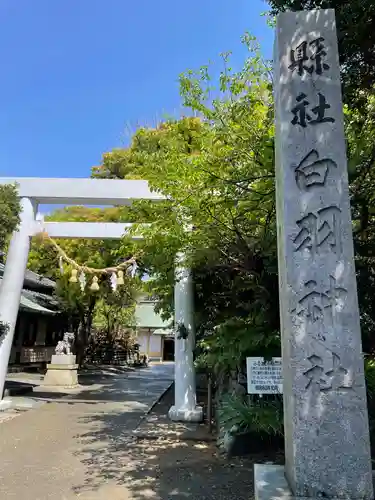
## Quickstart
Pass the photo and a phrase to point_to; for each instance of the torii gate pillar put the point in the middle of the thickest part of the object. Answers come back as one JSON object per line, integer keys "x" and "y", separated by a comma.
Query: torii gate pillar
{"x": 185, "y": 407}
{"x": 12, "y": 284}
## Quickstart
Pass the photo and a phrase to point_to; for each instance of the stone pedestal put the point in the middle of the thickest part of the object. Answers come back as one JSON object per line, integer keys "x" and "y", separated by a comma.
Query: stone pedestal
{"x": 62, "y": 371}
{"x": 63, "y": 359}
{"x": 327, "y": 446}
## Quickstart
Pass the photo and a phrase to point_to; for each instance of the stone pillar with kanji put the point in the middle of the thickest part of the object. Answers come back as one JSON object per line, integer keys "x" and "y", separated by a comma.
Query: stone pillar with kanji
{"x": 327, "y": 447}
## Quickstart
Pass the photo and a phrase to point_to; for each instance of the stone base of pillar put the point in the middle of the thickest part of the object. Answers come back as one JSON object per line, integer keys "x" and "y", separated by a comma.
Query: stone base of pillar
{"x": 186, "y": 415}
{"x": 270, "y": 484}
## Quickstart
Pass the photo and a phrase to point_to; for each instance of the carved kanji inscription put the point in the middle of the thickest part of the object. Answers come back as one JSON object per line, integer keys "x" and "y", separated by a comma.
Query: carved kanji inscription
{"x": 309, "y": 57}
{"x": 320, "y": 231}
{"x": 302, "y": 111}
{"x": 316, "y": 304}
{"x": 328, "y": 374}
{"x": 313, "y": 171}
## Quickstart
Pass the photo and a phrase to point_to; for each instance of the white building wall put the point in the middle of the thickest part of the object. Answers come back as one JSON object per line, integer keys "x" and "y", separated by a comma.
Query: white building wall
{"x": 142, "y": 340}
{"x": 155, "y": 345}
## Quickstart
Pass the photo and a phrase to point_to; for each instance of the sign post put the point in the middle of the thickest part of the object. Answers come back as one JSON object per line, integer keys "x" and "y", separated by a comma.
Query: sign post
{"x": 264, "y": 376}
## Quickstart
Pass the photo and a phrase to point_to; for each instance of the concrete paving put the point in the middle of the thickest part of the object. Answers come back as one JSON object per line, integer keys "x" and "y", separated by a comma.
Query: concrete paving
{"x": 76, "y": 445}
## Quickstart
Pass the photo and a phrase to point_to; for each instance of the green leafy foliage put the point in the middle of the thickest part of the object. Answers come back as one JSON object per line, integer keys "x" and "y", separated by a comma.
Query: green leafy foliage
{"x": 216, "y": 171}
{"x": 9, "y": 213}
{"x": 256, "y": 415}
{"x": 356, "y": 38}
{"x": 360, "y": 129}
{"x": 115, "y": 312}
{"x": 88, "y": 311}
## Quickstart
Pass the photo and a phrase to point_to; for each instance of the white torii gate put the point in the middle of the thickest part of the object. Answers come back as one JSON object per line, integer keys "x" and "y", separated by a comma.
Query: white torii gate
{"x": 34, "y": 191}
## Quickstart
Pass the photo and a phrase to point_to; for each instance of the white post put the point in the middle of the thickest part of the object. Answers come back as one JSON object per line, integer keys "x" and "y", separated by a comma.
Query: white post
{"x": 185, "y": 408}
{"x": 12, "y": 283}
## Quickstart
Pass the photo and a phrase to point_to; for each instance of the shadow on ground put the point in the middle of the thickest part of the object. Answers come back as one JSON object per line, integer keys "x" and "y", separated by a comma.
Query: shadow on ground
{"x": 97, "y": 388}
{"x": 159, "y": 469}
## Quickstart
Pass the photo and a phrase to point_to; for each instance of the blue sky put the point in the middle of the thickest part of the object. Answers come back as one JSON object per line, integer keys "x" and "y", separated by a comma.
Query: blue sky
{"x": 79, "y": 75}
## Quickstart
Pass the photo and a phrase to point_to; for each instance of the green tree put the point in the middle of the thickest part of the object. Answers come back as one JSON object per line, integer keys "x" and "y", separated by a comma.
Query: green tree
{"x": 216, "y": 171}
{"x": 9, "y": 213}
{"x": 114, "y": 319}
{"x": 80, "y": 306}
{"x": 360, "y": 129}
{"x": 114, "y": 313}
{"x": 356, "y": 38}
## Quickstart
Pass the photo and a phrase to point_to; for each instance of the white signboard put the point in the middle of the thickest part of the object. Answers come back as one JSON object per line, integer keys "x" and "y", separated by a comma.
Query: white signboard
{"x": 264, "y": 377}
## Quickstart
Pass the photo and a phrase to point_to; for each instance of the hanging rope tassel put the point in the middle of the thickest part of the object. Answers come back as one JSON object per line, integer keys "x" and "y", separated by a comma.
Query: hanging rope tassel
{"x": 73, "y": 278}
{"x": 130, "y": 266}
{"x": 94, "y": 285}
{"x": 120, "y": 278}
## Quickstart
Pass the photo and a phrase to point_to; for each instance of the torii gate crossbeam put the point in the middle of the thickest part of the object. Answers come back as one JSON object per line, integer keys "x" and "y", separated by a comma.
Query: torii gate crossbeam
{"x": 87, "y": 230}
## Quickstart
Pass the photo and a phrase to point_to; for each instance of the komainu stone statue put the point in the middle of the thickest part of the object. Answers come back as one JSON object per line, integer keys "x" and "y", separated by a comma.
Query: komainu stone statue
{"x": 64, "y": 346}
{"x": 63, "y": 370}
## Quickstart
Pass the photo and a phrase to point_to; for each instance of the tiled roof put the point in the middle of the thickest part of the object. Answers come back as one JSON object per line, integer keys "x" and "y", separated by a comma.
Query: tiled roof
{"x": 146, "y": 317}
{"x": 34, "y": 302}
{"x": 31, "y": 306}
{"x": 37, "y": 279}
{"x": 33, "y": 279}
{"x": 41, "y": 298}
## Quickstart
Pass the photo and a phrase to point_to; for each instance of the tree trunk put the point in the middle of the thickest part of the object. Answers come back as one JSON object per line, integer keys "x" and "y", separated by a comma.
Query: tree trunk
{"x": 84, "y": 332}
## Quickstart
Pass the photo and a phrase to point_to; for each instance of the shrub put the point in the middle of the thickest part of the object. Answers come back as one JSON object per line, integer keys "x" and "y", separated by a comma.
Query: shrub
{"x": 256, "y": 415}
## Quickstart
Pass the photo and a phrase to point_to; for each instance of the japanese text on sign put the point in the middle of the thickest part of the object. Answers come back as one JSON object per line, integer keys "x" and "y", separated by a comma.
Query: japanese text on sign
{"x": 264, "y": 377}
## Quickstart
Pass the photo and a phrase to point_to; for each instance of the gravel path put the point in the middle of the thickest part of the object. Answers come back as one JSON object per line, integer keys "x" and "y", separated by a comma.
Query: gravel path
{"x": 169, "y": 468}
{"x": 77, "y": 445}
{"x": 81, "y": 445}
